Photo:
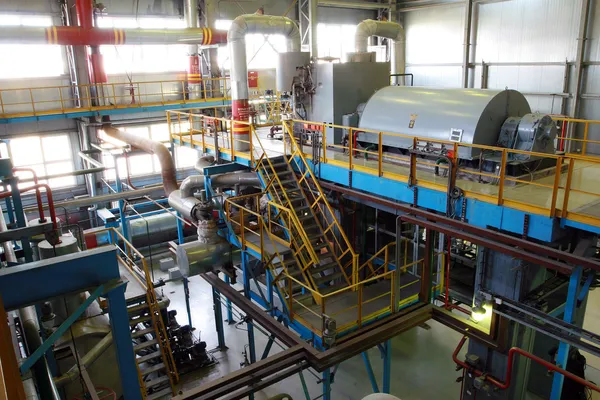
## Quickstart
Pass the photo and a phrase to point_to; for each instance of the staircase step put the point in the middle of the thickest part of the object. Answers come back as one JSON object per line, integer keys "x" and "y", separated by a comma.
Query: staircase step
{"x": 144, "y": 345}
{"x": 148, "y": 357}
{"x": 286, "y": 263}
{"x": 142, "y": 332}
{"x": 306, "y": 217}
{"x": 328, "y": 278}
{"x": 137, "y": 310}
{"x": 160, "y": 394}
{"x": 157, "y": 381}
{"x": 152, "y": 369}
{"x": 320, "y": 246}
{"x": 284, "y": 173}
{"x": 317, "y": 270}
{"x": 139, "y": 320}
{"x": 289, "y": 182}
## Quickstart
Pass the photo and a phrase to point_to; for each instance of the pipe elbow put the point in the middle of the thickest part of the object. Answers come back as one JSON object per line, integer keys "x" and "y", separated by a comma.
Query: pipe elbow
{"x": 238, "y": 29}
{"x": 364, "y": 31}
{"x": 190, "y": 184}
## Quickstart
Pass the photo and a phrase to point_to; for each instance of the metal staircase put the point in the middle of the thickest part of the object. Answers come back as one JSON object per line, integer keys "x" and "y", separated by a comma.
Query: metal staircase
{"x": 319, "y": 255}
{"x": 157, "y": 372}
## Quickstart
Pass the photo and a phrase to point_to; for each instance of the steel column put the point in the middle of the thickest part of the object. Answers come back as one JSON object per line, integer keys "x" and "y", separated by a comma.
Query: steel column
{"x": 326, "y": 384}
{"x": 369, "y": 368}
{"x": 387, "y": 366}
{"x": 186, "y": 293}
{"x": 269, "y": 283}
{"x": 467, "y": 42}
{"x": 180, "y": 234}
{"x": 119, "y": 322}
{"x": 581, "y": 38}
{"x": 563, "y": 348}
{"x": 122, "y": 215}
{"x": 249, "y": 325}
{"x": 229, "y": 319}
{"x": 219, "y": 319}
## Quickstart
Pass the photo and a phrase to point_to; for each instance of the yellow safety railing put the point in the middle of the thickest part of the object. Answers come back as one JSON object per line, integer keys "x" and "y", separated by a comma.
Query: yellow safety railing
{"x": 251, "y": 227}
{"x": 50, "y": 100}
{"x": 130, "y": 258}
{"x": 561, "y": 189}
{"x": 570, "y": 128}
{"x": 270, "y": 110}
{"x": 336, "y": 237}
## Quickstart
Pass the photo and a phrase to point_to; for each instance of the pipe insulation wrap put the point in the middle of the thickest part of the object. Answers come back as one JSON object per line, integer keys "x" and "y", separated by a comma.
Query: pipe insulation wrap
{"x": 167, "y": 166}
{"x": 389, "y": 30}
{"x": 236, "y": 38}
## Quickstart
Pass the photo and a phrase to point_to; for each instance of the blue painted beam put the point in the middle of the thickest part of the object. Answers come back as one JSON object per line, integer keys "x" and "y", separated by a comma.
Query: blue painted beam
{"x": 38, "y": 281}
{"x": 117, "y": 111}
{"x": 479, "y": 213}
{"x": 39, "y": 352}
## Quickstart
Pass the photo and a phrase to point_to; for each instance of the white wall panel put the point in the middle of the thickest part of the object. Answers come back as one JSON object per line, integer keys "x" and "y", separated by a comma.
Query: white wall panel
{"x": 527, "y": 31}
{"x": 434, "y": 35}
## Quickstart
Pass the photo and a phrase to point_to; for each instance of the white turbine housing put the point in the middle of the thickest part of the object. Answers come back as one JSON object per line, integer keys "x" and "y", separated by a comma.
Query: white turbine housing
{"x": 380, "y": 396}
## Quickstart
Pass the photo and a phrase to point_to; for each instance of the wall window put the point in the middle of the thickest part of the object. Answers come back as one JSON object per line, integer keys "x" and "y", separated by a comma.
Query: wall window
{"x": 261, "y": 50}
{"x": 143, "y": 58}
{"x": 146, "y": 164}
{"x": 47, "y": 155}
{"x": 30, "y": 60}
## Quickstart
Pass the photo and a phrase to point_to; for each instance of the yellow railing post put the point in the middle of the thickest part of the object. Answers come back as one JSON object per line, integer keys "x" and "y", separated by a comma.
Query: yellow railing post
{"x": 162, "y": 93}
{"x": 242, "y": 228}
{"x": 360, "y": 301}
{"x": 559, "y": 162}
{"x": 502, "y": 176}
{"x": 567, "y": 189}
{"x": 585, "y": 138}
{"x": 324, "y": 136}
{"x": 2, "y": 103}
{"x": 31, "y": 99}
{"x": 380, "y": 156}
{"x": 60, "y": 96}
{"x": 350, "y": 148}
{"x": 114, "y": 90}
{"x": 191, "y": 131}
{"x": 183, "y": 92}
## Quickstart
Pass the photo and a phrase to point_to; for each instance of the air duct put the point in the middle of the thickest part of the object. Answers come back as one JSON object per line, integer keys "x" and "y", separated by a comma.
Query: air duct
{"x": 167, "y": 166}
{"x": 390, "y": 30}
{"x": 236, "y": 38}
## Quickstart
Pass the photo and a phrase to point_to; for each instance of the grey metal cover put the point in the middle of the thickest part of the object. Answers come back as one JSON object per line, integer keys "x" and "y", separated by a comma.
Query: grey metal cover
{"x": 473, "y": 116}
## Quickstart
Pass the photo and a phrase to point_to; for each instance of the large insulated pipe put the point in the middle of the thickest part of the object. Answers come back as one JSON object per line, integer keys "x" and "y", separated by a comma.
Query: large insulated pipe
{"x": 189, "y": 207}
{"x": 236, "y": 38}
{"x": 167, "y": 166}
{"x": 390, "y": 30}
{"x": 76, "y": 36}
{"x": 9, "y": 251}
{"x": 194, "y": 75}
{"x": 85, "y": 362}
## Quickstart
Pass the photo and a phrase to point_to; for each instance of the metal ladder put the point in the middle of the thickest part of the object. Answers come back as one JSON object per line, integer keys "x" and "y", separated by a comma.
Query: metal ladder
{"x": 157, "y": 372}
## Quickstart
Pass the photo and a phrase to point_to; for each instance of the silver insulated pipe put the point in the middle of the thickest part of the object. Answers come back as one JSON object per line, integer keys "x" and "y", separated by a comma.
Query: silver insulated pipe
{"x": 236, "y": 39}
{"x": 390, "y": 30}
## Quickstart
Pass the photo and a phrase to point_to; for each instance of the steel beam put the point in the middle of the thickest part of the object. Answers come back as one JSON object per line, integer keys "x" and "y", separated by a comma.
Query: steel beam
{"x": 543, "y": 251}
{"x": 580, "y": 54}
{"x": 39, "y": 281}
{"x": 490, "y": 244}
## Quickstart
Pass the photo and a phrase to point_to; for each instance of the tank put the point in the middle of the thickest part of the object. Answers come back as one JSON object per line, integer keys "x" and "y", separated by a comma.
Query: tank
{"x": 286, "y": 68}
{"x": 472, "y": 116}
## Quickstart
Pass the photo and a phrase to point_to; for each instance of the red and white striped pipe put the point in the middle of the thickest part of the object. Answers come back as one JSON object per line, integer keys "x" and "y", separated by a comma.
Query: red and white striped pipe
{"x": 242, "y": 25}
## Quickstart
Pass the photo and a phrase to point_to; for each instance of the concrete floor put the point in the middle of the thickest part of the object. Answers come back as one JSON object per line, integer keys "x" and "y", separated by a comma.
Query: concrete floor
{"x": 422, "y": 367}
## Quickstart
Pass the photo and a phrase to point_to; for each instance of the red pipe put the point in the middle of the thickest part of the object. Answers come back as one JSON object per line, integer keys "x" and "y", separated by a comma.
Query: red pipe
{"x": 37, "y": 186}
{"x": 448, "y": 272}
{"x": 38, "y": 194}
{"x": 85, "y": 13}
{"x": 563, "y": 135}
{"x": 511, "y": 354}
